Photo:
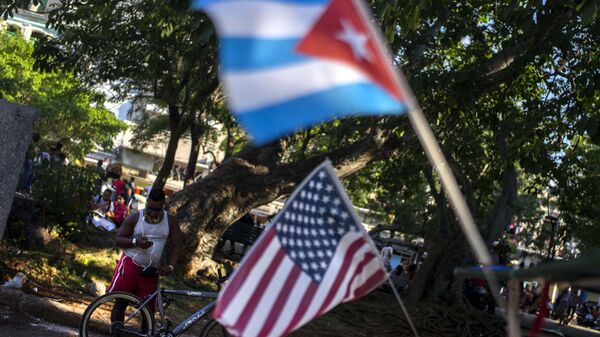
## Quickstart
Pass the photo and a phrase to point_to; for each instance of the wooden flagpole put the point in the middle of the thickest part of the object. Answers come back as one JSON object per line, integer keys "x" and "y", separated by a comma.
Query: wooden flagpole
{"x": 410, "y": 322}
{"x": 438, "y": 161}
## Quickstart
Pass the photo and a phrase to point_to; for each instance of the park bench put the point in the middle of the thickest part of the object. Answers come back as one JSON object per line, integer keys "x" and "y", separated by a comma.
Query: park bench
{"x": 242, "y": 233}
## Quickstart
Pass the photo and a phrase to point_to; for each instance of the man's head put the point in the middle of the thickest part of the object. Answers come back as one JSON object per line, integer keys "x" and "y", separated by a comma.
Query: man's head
{"x": 106, "y": 195}
{"x": 154, "y": 205}
{"x": 100, "y": 162}
{"x": 132, "y": 179}
{"x": 121, "y": 199}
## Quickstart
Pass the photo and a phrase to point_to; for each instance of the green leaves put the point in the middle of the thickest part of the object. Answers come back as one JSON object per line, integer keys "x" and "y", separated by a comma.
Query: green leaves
{"x": 69, "y": 112}
{"x": 413, "y": 17}
{"x": 589, "y": 10}
{"x": 593, "y": 129}
{"x": 66, "y": 191}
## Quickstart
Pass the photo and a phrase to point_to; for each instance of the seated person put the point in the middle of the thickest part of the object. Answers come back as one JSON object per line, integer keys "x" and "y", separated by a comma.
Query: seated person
{"x": 101, "y": 203}
{"x": 399, "y": 278}
{"x": 119, "y": 210}
{"x": 101, "y": 208}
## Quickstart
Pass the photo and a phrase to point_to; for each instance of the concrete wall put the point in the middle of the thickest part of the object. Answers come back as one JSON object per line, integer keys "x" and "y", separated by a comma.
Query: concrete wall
{"x": 16, "y": 122}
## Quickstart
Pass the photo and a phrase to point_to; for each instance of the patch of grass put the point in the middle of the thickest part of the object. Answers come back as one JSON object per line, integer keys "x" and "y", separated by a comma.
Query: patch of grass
{"x": 62, "y": 269}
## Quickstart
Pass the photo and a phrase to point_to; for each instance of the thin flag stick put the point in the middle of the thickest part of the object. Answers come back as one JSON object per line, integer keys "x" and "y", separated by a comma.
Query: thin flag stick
{"x": 410, "y": 322}
{"x": 465, "y": 219}
{"x": 387, "y": 275}
{"x": 439, "y": 163}
{"x": 514, "y": 294}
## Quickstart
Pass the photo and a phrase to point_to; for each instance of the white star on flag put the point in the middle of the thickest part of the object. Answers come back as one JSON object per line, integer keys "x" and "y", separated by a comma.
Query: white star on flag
{"x": 356, "y": 40}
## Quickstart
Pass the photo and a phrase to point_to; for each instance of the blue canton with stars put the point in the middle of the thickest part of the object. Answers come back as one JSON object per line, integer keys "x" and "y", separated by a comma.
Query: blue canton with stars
{"x": 312, "y": 224}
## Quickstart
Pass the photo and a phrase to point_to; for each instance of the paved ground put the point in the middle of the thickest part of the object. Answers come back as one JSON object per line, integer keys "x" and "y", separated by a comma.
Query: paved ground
{"x": 16, "y": 324}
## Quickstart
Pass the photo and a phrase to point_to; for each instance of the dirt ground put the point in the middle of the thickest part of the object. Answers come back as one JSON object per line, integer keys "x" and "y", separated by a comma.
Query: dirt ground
{"x": 61, "y": 270}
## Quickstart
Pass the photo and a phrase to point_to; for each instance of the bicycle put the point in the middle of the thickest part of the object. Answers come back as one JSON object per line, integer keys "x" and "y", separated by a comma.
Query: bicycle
{"x": 138, "y": 319}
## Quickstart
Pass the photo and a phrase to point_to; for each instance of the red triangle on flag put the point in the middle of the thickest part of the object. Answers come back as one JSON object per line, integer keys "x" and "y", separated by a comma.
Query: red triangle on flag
{"x": 342, "y": 33}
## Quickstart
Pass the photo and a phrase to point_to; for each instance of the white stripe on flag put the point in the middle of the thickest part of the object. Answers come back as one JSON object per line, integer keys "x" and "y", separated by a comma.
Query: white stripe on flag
{"x": 270, "y": 295}
{"x": 261, "y": 19}
{"x": 250, "y": 90}
{"x": 231, "y": 314}
{"x": 369, "y": 269}
{"x": 330, "y": 276}
{"x": 291, "y": 305}
{"x": 341, "y": 290}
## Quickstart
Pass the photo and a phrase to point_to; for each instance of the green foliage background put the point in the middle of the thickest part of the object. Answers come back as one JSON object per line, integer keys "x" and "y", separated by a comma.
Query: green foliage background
{"x": 66, "y": 192}
{"x": 69, "y": 112}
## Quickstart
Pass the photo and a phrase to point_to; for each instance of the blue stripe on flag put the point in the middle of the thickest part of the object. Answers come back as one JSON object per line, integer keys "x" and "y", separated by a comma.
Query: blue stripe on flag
{"x": 364, "y": 99}
{"x": 199, "y": 4}
{"x": 252, "y": 54}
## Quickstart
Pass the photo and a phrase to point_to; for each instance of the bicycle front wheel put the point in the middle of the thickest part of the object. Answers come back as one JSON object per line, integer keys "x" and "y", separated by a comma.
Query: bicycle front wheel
{"x": 214, "y": 329}
{"x": 116, "y": 314}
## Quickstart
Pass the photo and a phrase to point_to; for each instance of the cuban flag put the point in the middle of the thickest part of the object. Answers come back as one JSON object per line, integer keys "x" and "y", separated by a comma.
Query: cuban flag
{"x": 290, "y": 64}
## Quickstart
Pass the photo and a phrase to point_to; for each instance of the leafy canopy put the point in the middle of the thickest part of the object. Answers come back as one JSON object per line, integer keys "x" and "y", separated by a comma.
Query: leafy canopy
{"x": 69, "y": 112}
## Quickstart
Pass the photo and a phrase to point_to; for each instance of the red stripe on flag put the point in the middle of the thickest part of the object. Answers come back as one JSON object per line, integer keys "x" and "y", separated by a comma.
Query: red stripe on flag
{"x": 241, "y": 274}
{"x": 368, "y": 257}
{"x": 252, "y": 304}
{"x": 371, "y": 283}
{"x": 301, "y": 310}
{"x": 342, "y": 271}
{"x": 282, "y": 298}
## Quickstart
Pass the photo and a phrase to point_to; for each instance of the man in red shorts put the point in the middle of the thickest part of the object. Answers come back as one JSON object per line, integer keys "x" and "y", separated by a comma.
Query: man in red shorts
{"x": 143, "y": 236}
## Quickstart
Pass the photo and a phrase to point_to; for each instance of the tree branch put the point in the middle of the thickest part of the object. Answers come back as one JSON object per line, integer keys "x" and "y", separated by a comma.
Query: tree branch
{"x": 484, "y": 75}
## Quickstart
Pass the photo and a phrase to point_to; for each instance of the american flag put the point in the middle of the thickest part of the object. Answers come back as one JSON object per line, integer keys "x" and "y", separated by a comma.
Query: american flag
{"x": 314, "y": 255}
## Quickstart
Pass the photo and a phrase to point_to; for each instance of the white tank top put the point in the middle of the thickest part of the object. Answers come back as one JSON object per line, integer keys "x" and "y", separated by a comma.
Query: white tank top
{"x": 157, "y": 233}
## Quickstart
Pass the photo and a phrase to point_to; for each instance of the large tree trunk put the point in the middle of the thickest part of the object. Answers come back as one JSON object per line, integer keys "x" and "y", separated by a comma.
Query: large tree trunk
{"x": 435, "y": 280}
{"x": 175, "y": 132}
{"x": 504, "y": 209}
{"x": 253, "y": 177}
{"x": 167, "y": 165}
{"x": 190, "y": 171}
{"x": 447, "y": 248}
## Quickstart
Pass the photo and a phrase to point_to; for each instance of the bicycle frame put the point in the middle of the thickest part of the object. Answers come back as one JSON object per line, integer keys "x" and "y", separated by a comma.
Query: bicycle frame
{"x": 187, "y": 322}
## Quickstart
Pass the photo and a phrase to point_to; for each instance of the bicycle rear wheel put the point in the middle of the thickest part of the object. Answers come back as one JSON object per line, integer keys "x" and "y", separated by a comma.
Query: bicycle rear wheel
{"x": 214, "y": 329}
{"x": 114, "y": 314}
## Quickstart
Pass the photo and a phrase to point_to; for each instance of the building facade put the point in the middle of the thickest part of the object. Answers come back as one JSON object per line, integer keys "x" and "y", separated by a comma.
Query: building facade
{"x": 31, "y": 22}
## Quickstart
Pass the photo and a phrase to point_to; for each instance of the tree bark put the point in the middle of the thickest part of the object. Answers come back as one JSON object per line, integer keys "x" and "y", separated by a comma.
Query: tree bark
{"x": 253, "y": 177}
{"x": 435, "y": 280}
{"x": 167, "y": 165}
{"x": 504, "y": 209}
{"x": 195, "y": 131}
{"x": 176, "y": 130}
{"x": 229, "y": 146}
{"x": 447, "y": 248}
